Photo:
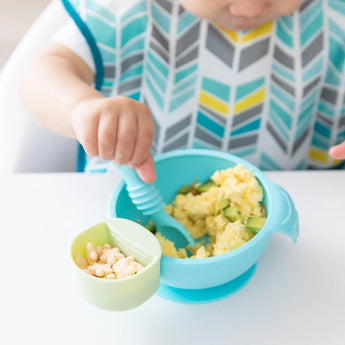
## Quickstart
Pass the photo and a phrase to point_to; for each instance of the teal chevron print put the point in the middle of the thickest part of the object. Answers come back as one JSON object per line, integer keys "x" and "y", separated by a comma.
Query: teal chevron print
{"x": 102, "y": 24}
{"x": 295, "y": 85}
{"x": 210, "y": 124}
{"x": 329, "y": 123}
{"x": 133, "y": 26}
{"x": 171, "y": 65}
{"x": 314, "y": 55}
{"x": 274, "y": 95}
{"x": 234, "y": 109}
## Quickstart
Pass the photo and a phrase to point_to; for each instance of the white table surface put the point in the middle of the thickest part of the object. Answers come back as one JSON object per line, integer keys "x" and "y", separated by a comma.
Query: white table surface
{"x": 296, "y": 296}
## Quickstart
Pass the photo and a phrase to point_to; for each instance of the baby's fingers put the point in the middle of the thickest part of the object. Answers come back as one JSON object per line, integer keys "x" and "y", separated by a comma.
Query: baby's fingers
{"x": 338, "y": 151}
{"x": 147, "y": 170}
{"x": 107, "y": 135}
{"x": 127, "y": 132}
{"x": 143, "y": 144}
{"x": 86, "y": 129}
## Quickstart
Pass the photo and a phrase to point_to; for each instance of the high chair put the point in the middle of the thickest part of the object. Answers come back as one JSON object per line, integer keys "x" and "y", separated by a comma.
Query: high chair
{"x": 24, "y": 145}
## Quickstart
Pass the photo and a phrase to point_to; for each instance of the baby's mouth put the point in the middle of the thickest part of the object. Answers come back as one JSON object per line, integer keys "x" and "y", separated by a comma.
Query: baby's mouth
{"x": 246, "y": 26}
{"x": 240, "y": 23}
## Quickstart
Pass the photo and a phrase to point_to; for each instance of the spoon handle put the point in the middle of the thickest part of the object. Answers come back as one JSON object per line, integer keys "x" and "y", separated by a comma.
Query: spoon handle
{"x": 143, "y": 195}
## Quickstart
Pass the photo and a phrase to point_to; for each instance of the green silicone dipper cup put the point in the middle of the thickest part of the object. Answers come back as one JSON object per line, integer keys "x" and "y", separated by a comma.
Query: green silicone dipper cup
{"x": 132, "y": 239}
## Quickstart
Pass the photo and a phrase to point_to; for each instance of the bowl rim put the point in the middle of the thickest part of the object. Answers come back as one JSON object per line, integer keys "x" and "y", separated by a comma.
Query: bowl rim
{"x": 265, "y": 183}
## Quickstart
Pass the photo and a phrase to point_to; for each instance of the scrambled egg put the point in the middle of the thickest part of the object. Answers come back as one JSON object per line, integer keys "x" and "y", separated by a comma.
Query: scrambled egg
{"x": 201, "y": 215}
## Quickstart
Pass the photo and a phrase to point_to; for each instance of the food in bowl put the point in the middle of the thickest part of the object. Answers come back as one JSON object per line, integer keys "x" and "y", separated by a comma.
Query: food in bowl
{"x": 226, "y": 211}
{"x": 107, "y": 262}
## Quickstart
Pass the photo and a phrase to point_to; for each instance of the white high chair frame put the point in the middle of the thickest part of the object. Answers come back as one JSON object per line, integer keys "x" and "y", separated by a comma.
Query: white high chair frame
{"x": 24, "y": 145}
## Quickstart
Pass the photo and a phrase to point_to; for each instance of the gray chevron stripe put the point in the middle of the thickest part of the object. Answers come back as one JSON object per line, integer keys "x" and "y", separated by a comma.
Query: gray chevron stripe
{"x": 329, "y": 95}
{"x": 154, "y": 148}
{"x": 165, "y": 4}
{"x": 202, "y": 135}
{"x": 156, "y": 134}
{"x": 106, "y": 90}
{"x": 179, "y": 143}
{"x": 311, "y": 86}
{"x": 283, "y": 58}
{"x": 311, "y": 166}
{"x": 130, "y": 85}
{"x": 288, "y": 88}
{"x": 163, "y": 54}
{"x": 192, "y": 55}
{"x": 300, "y": 141}
{"x": 277, "y": 137}
{"x": 130, "y": 61}
{"x": 188, "y": 38}
{"x": 211, "y": 113}
{"x": 156, "y": 34}
{"x": 178, "y": 127}
{"x": 156, "y": 126}
{"x": 313, "y": 49}
{"x": 305, "y": 4}
{"x": 342, "y": 121}
{"x": 181, "y": 10}
{"x": 235, "y": 143}
{"x": 247, "y": 114}
{"x": 325, "y": 120}
{"x": 215, "y": 40}
{"x": 109, "y": 71}
{"x": 253, "y": 53}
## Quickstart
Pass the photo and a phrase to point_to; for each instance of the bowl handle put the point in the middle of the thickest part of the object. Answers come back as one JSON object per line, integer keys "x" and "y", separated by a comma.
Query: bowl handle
{"x": 285, "y": 214}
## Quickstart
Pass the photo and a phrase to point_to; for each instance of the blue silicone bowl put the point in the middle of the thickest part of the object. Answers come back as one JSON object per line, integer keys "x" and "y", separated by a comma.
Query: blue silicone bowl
{"x": 209, "y": 279}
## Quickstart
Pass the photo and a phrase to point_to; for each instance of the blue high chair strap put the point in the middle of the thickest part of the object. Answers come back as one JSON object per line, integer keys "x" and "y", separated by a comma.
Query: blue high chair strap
{"x": 97, "y": 57}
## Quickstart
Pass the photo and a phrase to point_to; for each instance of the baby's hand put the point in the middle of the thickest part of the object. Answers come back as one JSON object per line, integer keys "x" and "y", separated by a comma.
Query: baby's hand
{"x": 338, "y": 151}
{"x": 117, "y": 129}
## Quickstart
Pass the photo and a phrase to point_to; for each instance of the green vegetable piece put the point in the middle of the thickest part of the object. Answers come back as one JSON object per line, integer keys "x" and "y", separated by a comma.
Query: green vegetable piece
{"x": 151, "y": 227}
{"x": 221, "y": 204}
{"x": 231, "y": 214}
{"x": 254, "y": 224}
{"x": 204, "y": 187}
{"x": 184, "y": 189}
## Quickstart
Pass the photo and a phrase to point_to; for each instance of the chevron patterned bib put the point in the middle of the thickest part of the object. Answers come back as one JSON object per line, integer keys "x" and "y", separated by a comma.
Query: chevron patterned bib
{"x": 273, "y": 95}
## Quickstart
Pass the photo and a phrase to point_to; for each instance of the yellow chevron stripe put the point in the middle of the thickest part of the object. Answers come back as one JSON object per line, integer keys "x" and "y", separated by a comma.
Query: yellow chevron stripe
{"x": 318, "y": 155}
{"x": 257, "y": 32}
{"x": 336, "y": 162}
{"x": 213, "y": 103}
{"x": 233, "y": 35}
{"x": 250, "y": 101}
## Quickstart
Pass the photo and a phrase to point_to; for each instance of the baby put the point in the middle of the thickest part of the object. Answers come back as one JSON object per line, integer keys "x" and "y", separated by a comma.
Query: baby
{"x": 261, "y": 79}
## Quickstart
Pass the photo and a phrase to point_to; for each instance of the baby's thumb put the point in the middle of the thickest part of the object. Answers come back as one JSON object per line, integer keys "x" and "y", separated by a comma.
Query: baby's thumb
{"x": 146, "y": 171}
{"x": 338, "y": 151}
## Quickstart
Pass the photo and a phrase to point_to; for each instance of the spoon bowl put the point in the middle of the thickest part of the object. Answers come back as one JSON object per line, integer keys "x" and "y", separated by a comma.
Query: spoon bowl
{"x": 147, "y": 200}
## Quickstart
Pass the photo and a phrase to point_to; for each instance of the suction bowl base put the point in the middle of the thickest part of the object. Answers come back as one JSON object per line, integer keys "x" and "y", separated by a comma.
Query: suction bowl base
{"x": 199, "y": 296}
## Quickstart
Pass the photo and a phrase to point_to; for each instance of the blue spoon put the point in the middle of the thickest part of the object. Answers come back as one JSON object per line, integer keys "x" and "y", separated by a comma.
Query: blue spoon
{"x": 147, "y": 199}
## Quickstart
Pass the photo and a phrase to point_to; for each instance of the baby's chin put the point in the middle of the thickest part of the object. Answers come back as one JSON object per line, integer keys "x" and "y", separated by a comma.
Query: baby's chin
{"x": 236, "y": 25}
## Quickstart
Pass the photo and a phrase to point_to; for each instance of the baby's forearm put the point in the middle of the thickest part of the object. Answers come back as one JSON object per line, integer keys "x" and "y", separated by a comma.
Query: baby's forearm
{"x": 53, "y": 85}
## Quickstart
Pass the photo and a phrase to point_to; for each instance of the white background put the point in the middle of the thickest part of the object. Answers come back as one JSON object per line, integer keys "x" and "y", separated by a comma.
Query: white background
{"x": 296, "y": 296}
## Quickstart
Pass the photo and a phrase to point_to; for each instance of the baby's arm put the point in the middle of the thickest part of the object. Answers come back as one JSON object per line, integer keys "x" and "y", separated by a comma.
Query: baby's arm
{"x": 55, "y": 89}
{"x": 338, "y": 151}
